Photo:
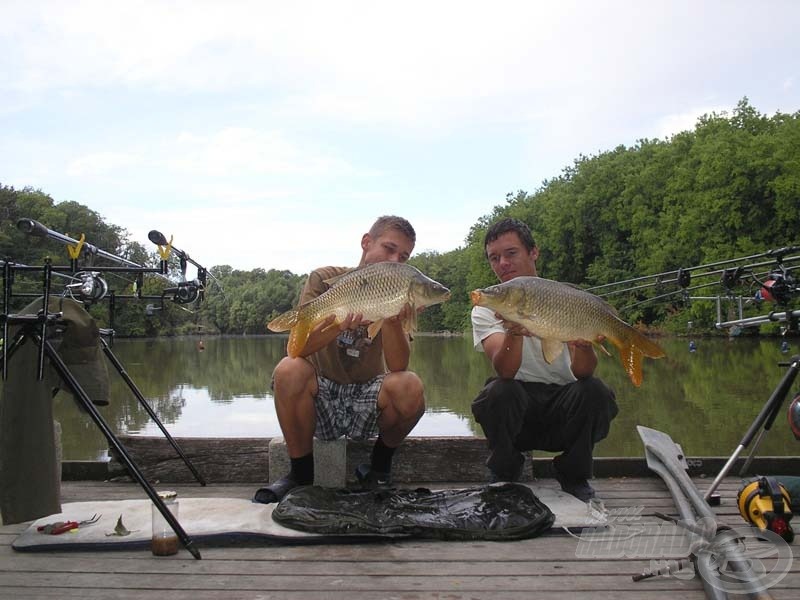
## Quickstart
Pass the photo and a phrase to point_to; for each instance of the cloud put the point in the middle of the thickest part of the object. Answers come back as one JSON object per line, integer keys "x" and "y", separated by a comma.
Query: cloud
{"x": 270, "y": 134}
{"x": 420, "y": 69}
{"x": 422, "y": 65}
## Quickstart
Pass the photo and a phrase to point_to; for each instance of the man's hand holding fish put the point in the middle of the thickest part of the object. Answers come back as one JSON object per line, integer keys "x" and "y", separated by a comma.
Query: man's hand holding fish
{"x": 545, "y": 395}
{"x": 346, "y": 373}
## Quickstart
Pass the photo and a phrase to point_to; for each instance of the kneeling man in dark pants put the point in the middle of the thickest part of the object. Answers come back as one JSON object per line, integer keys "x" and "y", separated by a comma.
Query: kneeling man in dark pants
{"x": 532, "y": 405}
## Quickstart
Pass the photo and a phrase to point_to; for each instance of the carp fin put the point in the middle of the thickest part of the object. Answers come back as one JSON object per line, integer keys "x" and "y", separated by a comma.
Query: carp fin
{"x": 631, "y": 358}
{"x": 602, "y": 347}
{"x": 551, "y": 349}
{"x": 332, "y": 280}
{"x": 298, "y": 338}
{"x": 374, "y": 327}
{"x": 331, "y": 326}
{"x": 410, "y": 322}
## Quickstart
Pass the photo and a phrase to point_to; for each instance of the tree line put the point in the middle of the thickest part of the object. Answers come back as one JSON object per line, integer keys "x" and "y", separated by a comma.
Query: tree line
{"x": 728, "y": 188}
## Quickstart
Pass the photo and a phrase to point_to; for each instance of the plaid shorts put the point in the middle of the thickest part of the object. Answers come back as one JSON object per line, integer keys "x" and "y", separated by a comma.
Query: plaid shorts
{"x": 349, "y": 409}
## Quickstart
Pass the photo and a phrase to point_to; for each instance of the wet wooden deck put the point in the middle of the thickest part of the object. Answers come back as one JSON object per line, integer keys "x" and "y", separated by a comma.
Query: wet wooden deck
{"x": 546, "y": 567}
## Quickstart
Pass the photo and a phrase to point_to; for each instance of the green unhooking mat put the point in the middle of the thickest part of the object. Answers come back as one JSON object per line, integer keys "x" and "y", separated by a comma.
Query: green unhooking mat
{"x": 507, "y": 511}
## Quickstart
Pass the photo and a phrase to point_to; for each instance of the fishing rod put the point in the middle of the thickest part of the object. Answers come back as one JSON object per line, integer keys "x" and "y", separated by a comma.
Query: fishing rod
{"x": 34, "y": 228}
{"x": 186, "y": 291}
{"x": 682, "y": 275}
{"x": 726, "y": 281}
{"x": 773, "y": 280}
{"x": 90, "y": 286}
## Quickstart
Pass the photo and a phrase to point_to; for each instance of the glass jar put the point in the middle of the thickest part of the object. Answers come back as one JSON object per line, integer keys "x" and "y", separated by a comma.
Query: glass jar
{"x": 165, "y": 540}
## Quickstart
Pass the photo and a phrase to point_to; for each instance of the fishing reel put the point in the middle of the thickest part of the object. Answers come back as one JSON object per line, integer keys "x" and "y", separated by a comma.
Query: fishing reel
{"x": 765, "y": 503}
{"x": 778, "y": 288}
{"x": 773, "y": 290}
{"x": 90, "y": 287}
{"x": 186, "y": 292}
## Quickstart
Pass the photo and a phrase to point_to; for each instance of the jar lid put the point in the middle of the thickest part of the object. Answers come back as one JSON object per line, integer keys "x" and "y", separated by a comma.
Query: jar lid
{"x": 167, "y": 495}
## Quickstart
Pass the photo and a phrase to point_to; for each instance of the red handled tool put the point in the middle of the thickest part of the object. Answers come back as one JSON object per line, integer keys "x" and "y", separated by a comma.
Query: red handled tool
{"x": 60, "y": 527}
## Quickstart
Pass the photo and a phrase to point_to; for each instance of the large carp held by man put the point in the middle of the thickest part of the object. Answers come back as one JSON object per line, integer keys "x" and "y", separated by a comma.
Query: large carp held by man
{"x": 558, "y": 312}
{"x": 377, "y": 291}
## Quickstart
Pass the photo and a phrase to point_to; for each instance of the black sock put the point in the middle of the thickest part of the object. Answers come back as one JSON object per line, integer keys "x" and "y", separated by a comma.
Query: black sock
{"x": 303, "y": 469}
{"x": 382, "y": 457}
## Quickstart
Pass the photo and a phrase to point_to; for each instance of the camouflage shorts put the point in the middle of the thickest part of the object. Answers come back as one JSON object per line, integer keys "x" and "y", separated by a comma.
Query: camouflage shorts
{"x": 349, "y": 409}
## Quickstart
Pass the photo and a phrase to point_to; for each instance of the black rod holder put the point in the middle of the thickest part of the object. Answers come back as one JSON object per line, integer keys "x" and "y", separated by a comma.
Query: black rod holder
{"x": 87, "y": 404}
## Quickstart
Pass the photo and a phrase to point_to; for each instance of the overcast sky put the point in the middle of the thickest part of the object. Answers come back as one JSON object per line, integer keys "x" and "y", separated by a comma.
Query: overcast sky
{"x": 272, "y": 134}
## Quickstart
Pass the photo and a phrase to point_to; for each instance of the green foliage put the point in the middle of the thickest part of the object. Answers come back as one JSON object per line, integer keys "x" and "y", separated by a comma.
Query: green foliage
{"x": 448, "y": 269}
{"x": 243, "y": 302}
{"x": 728, "y": 188}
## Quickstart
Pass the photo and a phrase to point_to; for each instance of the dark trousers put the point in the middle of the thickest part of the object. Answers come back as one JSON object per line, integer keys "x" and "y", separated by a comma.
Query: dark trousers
{"x": 517, "y": 416}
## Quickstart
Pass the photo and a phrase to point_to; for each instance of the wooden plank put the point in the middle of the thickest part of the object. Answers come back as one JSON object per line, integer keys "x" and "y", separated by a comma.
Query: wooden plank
{"x": 15, "y": 593}
{"x": 544, "y": 567}
{"x": 550, "y": 555}
{"x": 370, "y": 583}
{"x": 220, "y": 565}
{"x": 560, "y": 547}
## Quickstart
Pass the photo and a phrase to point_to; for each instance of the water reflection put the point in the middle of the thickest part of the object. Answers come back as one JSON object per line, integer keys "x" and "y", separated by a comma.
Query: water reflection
{"x": 705, "y": 399}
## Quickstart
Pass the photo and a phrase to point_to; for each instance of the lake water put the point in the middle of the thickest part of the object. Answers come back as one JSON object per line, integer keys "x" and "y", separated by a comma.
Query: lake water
{"x": 705, "y": 400}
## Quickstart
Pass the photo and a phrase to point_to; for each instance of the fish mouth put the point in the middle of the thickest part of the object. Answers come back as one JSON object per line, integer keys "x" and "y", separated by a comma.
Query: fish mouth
{"x": 475, "y": 296}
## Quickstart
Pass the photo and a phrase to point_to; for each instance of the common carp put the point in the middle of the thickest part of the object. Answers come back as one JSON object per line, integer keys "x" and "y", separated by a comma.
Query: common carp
{"x": 558, "y": 312}
{"x": 377, "y": 291}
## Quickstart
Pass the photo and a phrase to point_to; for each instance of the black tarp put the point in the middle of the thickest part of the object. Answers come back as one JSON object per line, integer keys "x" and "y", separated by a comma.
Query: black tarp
{"x": 507, "y": 511}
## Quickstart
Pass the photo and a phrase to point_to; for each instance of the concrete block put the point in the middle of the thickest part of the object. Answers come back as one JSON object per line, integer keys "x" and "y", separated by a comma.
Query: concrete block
{"x": 278, "y": 459}
{"x": 330, "y": 461}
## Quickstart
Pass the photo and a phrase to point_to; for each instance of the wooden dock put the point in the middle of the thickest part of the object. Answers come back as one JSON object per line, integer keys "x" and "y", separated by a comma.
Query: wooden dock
{"x": 552, "y": 566}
